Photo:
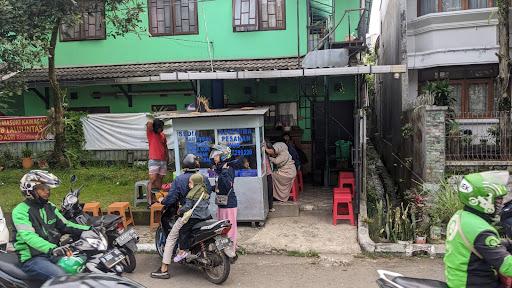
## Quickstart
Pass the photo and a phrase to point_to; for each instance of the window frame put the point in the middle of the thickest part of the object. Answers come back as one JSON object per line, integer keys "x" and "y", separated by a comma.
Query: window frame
{"x": 82, "y": 28}
{"x": 464, "y": 97}
{"x": 464, "y": 4}
{"x": 173, "y": 21}
{"x": 258, "y": 25}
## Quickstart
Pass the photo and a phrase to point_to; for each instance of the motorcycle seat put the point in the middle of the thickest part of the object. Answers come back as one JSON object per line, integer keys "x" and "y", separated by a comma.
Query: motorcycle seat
{"x": 9, "y": 264}
{"x": 419, "y": 283}
{"x": 206, "y": 223}
{"x": 107, "y": 220}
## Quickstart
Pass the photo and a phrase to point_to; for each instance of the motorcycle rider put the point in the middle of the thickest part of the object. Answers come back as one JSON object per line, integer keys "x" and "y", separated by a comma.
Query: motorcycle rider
{"x": 474, "y": 251}
{"x": 38, "y": 226}
{"x": 177, "y": 194}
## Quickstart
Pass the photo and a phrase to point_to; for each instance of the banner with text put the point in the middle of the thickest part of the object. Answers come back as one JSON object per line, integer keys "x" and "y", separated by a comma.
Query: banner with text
{"x": 22, "y": 129}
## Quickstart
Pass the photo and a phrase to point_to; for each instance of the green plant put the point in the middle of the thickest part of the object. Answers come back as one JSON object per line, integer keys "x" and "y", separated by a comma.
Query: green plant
{"x": 441, "y": 92}
{"x": 75, "y": 139}
{"x": 7, "y": 159}
{"x": 407, "y": 130}
{"x": 26, "y": 152}
{"x": 445, "y": 202}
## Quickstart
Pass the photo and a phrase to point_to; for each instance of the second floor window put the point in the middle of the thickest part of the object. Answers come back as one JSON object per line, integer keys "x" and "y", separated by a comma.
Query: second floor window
{"x": 434, "y": 6}
{"x": 91, "y": 26}
{"x": 253, "y": 15}
{"x": 172, "y": 17}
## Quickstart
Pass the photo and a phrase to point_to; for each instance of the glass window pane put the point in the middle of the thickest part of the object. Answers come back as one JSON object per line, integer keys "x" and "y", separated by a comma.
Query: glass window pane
{"x": 452, "y": 5}
{"x": 477, "y": 4}
{"x": 428, "y": 6}
{"x": 456, "y": 95}
{"x": 197, "y": 142}
{"x": 478, "y": 95}
{"x": 242, "y": 142}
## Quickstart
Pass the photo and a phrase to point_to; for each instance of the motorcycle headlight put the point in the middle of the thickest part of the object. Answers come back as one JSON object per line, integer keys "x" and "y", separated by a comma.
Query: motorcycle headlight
{"x": 72, "y": 199}
{"x": 98, "y": 244}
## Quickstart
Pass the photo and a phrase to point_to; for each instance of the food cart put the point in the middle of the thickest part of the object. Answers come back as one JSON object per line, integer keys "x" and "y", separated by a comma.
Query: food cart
{"x": 242, "y": 130}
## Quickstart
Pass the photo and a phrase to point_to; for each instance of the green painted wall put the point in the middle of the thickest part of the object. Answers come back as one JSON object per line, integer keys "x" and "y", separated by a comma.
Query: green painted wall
{"x": 287, "y": 91}
{"x": 214, "y": 16}
{"x": 14, "y": 106}
{"x": 339, "y": 9}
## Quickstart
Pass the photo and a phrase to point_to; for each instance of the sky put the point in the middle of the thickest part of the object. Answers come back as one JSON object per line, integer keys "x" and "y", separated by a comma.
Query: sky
{"x": 374, "y": 27}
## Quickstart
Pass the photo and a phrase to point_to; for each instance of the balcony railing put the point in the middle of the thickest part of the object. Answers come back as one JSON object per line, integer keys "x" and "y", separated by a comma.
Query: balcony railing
{"x": 479, "y": 137}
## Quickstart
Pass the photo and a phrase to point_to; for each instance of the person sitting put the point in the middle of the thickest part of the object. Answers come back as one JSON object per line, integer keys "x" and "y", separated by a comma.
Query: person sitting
{"x": 282, "y": 179}
{"x": 178, "y": 194}
{"x": 197, "y": 193}
{"x": 39, "y": 225}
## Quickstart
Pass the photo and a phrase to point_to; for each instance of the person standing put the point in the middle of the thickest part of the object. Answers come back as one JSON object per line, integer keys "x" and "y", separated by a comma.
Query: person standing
{"x": 268, "y": 170}
{"x": 224, "y": 166}
{"x": 283, "y": 178}
{"x": 158, "y": 157}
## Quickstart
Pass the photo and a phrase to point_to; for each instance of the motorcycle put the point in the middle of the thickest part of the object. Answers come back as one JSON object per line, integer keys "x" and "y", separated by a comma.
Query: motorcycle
{"x": 89, "y": 254}
{"x": 389, "y": 279}
{"x": 4, "y": 232}
{"x": 209, "y": 243}
{"x": 118, "y": 237}
{"x": 91, "y": 280}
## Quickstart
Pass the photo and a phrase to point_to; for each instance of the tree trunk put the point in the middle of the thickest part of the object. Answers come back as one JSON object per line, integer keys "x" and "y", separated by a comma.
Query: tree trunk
{"x": 58, "y": 158}
{"x": 504, "y": 76}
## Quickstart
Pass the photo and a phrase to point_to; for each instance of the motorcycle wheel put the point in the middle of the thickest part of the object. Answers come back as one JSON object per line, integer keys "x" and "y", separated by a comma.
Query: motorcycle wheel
{"x": 220, "y": 272}
{"x": 159, "y": 247}
{"x": 129, "y": 262}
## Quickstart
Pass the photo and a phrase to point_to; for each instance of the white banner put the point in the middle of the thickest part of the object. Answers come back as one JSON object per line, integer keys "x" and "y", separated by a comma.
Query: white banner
{"x": 126, "y": 131}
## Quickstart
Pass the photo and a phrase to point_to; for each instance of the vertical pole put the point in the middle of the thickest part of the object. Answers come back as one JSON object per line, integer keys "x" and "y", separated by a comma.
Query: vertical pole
{"x": 176, "y": 144}
{"x": 326, "y": 132}
{"x": 258, "y": 150}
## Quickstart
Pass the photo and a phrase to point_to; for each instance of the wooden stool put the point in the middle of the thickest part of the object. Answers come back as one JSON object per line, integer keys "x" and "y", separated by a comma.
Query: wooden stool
{"x": 92, "y": 208}
{"x": 122, "y": 209}
{"x": 155, "y": 214}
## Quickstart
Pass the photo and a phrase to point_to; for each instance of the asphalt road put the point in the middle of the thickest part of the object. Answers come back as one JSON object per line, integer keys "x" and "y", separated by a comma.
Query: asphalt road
{"x": 284, "y": 271}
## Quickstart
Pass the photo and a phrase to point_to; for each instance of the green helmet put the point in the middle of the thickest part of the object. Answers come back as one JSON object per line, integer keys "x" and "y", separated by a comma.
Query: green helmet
{"x": 480, "y": 190}
{"x": 72, "y": 265}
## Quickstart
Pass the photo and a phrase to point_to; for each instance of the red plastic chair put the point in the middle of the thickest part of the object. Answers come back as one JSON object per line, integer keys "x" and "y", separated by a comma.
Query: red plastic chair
{"x": 348, "y": 212}
{"x": 349, "y": 183}
{"x": 300, "y": 181}
{"x": 294, "y": 193}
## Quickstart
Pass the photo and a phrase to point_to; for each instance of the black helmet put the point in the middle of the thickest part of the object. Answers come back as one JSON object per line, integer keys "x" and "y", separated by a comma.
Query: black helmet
{"x": 189, "y": 162}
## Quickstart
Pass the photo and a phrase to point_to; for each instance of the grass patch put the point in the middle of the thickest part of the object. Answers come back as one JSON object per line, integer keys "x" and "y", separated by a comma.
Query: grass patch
{"x": 308, "y": 254}
{"x": 103, "y": 184}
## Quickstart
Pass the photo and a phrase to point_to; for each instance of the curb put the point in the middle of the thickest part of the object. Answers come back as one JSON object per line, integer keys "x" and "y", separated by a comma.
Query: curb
{"x": 146, "y": 247}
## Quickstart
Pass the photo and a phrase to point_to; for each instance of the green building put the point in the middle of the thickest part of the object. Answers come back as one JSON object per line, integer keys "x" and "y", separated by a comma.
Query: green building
{"x": 235, "y": 52}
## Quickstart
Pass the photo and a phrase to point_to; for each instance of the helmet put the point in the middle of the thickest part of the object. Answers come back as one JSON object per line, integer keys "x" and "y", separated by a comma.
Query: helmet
{"x": 36, "y": 177}
{"x": 189, "y": 162}
{"x": 72, "y": 265}
{"x": 222, "y": 150}
{"x": 480, "y": 190}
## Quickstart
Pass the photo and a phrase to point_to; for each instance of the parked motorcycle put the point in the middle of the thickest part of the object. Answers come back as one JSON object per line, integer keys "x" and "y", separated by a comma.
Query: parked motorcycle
{"x": 89, "y": 254}
{"x": 118, "y": 237}
{"x": 209, "y": 242}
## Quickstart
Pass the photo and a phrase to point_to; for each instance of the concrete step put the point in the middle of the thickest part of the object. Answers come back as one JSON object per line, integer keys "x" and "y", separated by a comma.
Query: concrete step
{"x": 285, "y": 209}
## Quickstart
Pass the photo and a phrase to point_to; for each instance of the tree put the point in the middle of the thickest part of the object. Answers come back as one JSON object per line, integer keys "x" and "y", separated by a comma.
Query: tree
{"x": 503, "y": 54}
{"x": 28, "y": 34}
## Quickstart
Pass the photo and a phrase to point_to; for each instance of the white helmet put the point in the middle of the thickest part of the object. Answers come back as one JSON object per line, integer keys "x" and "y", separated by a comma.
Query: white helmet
{"x": 36, "y": 177}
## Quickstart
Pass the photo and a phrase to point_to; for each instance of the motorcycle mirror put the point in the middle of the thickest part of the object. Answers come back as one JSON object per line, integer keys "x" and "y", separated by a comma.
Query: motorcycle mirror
{"x": 73, "y": 178}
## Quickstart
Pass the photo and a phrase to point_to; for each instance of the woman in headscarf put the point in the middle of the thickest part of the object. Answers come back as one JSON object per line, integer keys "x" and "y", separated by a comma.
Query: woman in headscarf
{"x": 282, "y": 179}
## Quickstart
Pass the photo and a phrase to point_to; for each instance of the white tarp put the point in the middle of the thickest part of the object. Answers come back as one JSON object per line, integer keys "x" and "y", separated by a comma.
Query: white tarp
{"x": 125, "y": 131}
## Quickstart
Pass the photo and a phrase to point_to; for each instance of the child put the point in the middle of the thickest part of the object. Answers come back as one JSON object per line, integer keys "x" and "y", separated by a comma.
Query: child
{"x": 197, "y": 191}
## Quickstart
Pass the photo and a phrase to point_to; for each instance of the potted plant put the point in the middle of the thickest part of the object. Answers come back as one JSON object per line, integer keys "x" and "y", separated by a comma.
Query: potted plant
{"x": 40, "y": 158}
{"x": 27, "y": 161}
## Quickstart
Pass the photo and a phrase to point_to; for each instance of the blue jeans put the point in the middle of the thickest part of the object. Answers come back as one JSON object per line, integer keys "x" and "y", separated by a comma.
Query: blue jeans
{"x": 42, "y": 268}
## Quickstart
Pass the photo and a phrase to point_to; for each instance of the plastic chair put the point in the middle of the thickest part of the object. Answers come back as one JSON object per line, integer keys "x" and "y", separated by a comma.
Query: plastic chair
{"x": 294, "y": 193}
{"x": 122, "y": 209}
{"x": 92, "y": 208}
{"x": 342, "y": 199}
{"x": 155, "y": 214}
{"x": 141, "y": 190}
{"x": 301, "y": 181}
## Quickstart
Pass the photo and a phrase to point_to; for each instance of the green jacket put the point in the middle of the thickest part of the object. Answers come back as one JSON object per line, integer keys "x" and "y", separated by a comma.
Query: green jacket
{"x": 474, "y": 254}
{"x": 38, "y": 228}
